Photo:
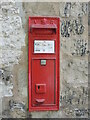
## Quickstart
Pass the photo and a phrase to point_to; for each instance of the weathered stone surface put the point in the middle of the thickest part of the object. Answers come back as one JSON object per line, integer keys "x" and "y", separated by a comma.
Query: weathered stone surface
{"x": 73, "y": 58}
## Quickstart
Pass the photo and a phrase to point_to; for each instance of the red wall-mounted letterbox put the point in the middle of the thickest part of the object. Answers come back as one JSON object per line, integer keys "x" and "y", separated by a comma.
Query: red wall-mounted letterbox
{"x": 44, "y": 41}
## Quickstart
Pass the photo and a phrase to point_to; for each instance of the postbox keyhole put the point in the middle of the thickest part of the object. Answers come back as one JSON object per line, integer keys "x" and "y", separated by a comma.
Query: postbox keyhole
{"x": 38, "y": 87}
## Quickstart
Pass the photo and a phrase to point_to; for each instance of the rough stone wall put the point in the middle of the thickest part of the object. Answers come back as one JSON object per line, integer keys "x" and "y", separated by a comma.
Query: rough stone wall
{"x": 14, "y": 58}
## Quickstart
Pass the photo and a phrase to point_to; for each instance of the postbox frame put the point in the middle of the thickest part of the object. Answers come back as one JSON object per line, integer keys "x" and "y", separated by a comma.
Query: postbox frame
{"x": 52, "y": 107}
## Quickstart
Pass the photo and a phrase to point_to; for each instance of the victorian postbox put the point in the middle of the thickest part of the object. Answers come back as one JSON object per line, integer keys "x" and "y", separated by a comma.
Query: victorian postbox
{"x": 43, "y": 67}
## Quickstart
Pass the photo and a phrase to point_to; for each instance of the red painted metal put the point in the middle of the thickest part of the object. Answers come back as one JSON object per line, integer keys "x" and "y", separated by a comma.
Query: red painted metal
{"x": 40, "y": 88}
{"x": 43, "y": 80}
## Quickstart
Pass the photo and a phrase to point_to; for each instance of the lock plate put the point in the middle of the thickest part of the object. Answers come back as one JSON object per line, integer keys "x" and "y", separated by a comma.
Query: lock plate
{"x": 40, "y": 88}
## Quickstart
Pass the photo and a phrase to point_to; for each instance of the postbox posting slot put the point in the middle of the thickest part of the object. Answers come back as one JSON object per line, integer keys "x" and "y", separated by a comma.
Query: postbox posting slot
{"x": 46, "y": 29}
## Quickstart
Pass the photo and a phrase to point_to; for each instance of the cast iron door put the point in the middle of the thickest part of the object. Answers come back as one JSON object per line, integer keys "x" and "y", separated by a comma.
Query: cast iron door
{"x": 43, "y": 91}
